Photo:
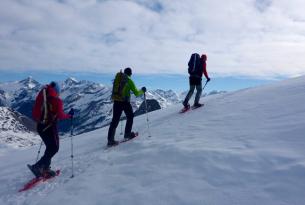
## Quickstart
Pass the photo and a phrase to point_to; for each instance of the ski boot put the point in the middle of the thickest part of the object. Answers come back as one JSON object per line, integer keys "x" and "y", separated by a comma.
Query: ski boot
{"x": 48, "y": 173}
{"x": 197, "y": 105}
{"x": 132, "y": 135}
{"x": 36, "y": 170}
{"x": 112, "y": 143}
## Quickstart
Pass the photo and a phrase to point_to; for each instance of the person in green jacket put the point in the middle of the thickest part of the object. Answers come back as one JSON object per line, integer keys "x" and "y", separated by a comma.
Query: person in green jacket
{"x": 122, "y": 86}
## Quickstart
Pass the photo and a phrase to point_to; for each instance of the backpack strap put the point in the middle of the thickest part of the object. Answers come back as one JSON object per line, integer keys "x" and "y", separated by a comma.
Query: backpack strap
{"x": 44, "y": 107}
{"x": 121, "y": 82}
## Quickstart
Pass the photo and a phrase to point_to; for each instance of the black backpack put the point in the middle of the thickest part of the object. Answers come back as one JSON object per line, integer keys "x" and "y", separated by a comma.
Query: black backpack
{"x": 195, "y": 65}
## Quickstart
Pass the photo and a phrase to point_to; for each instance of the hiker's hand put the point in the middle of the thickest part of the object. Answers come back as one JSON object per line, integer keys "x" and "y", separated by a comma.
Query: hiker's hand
{"x": 208, "y": 79}
{"x": 143, "y": 89}
{"x": 71, "y": 112}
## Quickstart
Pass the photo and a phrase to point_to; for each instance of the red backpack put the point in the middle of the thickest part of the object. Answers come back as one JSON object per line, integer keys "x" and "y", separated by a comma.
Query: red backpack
{"x": 42, "y": 108}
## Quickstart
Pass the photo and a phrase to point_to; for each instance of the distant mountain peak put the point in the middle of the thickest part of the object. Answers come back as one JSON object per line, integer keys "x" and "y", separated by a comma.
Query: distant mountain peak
{"x": 29, "y": 82}
{"x": 71, "y": 79}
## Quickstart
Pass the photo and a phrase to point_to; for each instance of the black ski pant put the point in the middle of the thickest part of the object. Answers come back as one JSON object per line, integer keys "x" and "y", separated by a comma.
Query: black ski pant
{"x": 195, "y": 82}
{"x": 49, "y": 136}
{"x": 118, "y": 108}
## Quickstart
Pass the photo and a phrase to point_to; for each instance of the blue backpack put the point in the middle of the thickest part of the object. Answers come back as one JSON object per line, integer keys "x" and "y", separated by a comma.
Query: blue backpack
{"x": 195, "y": 65}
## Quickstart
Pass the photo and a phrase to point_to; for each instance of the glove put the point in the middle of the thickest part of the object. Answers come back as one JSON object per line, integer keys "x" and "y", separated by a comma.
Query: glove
{"x": 71, "y": 112}
{"x": 143, "y": 89}
{"x": 208, "y": 79}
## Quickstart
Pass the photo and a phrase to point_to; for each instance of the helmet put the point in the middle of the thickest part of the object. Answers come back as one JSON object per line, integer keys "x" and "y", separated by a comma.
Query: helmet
{"x": 55, "y": 86}
{"x": 128, "y": 71}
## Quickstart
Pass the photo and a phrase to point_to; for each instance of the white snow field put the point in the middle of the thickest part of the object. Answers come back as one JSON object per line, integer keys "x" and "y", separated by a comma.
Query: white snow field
{"x": 241, "y": 148}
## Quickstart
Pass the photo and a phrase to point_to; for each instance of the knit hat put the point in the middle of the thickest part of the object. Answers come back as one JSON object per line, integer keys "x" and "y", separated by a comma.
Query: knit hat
{"x": 55, "y": 86}
{"x": 128, "y": 71}
{"x": 204, "y": 57}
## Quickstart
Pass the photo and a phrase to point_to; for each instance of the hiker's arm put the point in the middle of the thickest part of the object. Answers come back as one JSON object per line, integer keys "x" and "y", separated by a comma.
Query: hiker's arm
{"x": 133, "y": 88}
{"x": 204, "y": 65}
{"x": 60, "y": 111}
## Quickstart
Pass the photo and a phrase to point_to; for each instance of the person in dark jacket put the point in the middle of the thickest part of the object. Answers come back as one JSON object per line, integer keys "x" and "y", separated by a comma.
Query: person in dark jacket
{"x": 47, "y": 110}
{"x": 195, "y": 81}
{"x": 122, "y": 103}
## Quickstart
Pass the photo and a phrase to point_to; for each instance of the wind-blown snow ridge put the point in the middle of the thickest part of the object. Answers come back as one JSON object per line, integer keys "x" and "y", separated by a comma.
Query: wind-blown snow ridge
{"x": 241, "y": 148}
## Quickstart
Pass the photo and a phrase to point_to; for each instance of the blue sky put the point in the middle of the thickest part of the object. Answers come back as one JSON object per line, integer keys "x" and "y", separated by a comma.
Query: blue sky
{"x": 260, "y": 40}
{"x": 174, "y": 82}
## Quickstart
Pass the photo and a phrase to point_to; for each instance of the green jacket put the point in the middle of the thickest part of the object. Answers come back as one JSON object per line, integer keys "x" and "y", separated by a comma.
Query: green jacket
{"x": 130, "y": 86}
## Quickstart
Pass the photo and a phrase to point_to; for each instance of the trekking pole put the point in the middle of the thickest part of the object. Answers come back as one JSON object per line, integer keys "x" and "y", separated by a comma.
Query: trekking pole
{"x": 71, "y": 135}
{"x": 205, "y": 85}
{"x": 39, "y": 151}
{"x": 121, "y": 128}
{"x": 149, "y": 135}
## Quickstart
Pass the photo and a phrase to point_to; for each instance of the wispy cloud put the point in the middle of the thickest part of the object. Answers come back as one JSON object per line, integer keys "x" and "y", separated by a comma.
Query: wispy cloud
{"x": 261, "y": 38}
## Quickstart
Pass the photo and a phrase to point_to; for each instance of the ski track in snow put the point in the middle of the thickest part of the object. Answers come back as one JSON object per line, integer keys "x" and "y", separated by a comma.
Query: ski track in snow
{"x": 244, "y": 147}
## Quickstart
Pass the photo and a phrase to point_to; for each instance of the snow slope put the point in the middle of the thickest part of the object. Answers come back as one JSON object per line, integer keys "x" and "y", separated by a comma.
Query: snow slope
{"x": 241, "y": 148}
{"x": 16, "y": 130}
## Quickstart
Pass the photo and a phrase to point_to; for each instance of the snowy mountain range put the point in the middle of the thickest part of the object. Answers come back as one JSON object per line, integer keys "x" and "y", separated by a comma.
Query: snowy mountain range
{"x": 242, "y": 148}
{"x": 91, "y": 101}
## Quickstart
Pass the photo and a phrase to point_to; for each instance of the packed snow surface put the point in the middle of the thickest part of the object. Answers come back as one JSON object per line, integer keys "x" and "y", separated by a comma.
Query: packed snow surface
{"x": 242, "y": 148}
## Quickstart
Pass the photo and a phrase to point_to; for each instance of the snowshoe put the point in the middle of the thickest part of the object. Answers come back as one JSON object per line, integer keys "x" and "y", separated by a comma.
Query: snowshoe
{"x": 185, "y": 109}
{"x": 33, "y": 182}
